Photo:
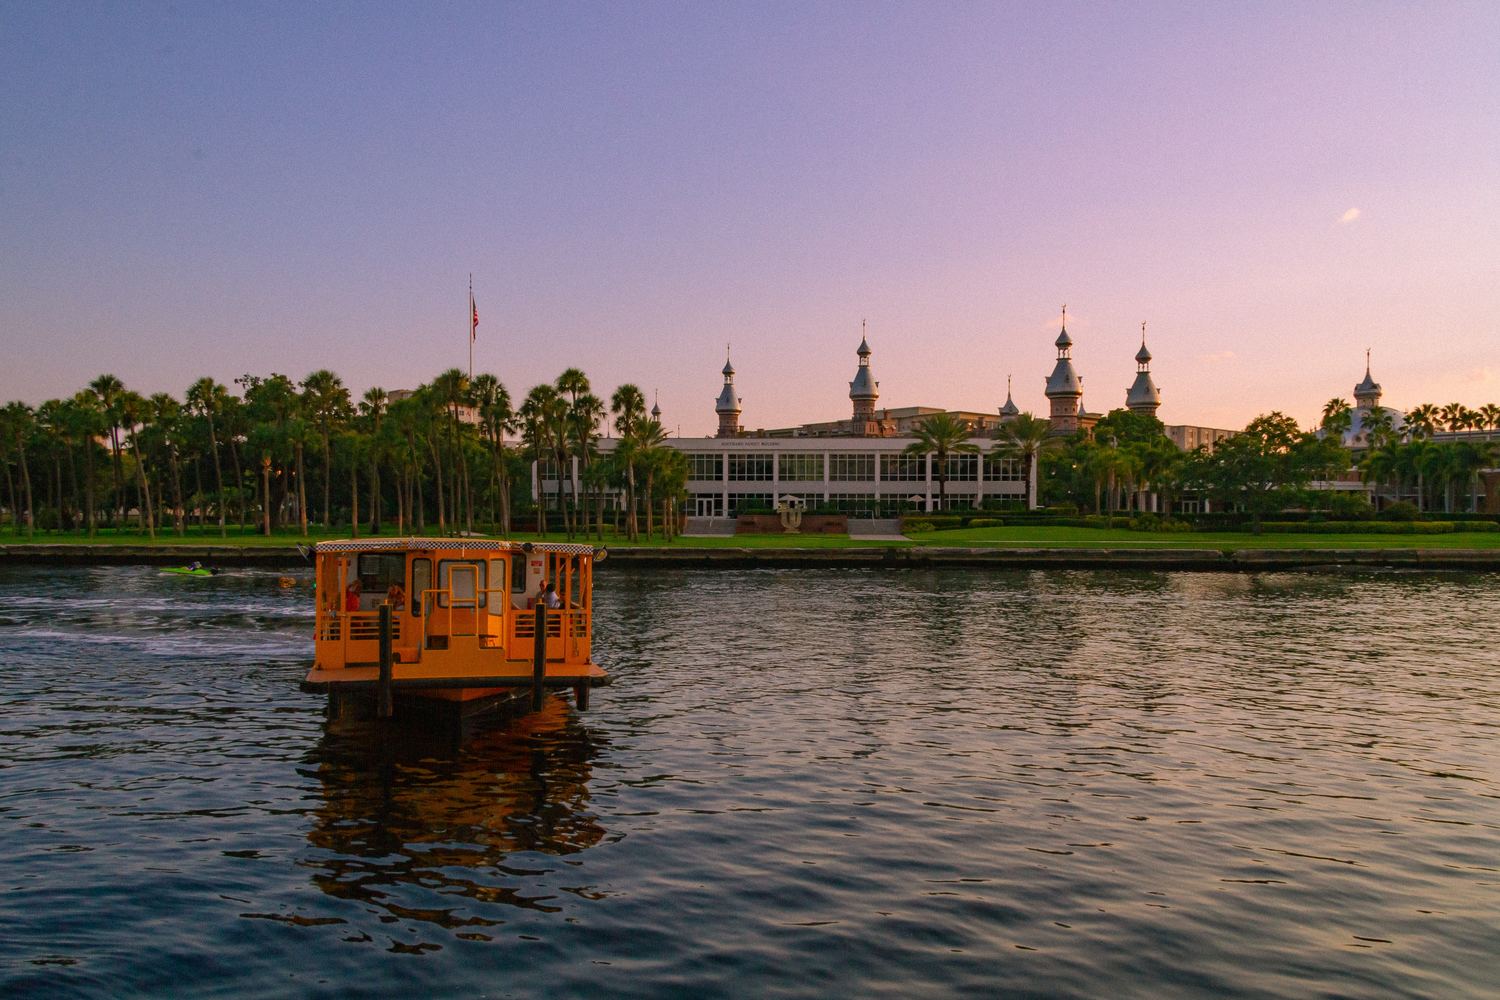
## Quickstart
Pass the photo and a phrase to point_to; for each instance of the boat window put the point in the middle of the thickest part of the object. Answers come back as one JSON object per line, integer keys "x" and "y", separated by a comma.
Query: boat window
{"x": 378, "y": 570}
{"x": 421, "y": 580}
{"x": 462, "y": 577}
{"x": 518, "y": 576}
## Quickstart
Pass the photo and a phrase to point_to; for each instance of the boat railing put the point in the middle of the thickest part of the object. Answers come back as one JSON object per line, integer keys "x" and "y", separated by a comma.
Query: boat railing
{"x": 346, "y": 627}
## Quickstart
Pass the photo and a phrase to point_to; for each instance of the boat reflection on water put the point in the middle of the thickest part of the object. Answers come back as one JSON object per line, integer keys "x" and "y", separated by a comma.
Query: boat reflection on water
{"x": 416, "y": 824}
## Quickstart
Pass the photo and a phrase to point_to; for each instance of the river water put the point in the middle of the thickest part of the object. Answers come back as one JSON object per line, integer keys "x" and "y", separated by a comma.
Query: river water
{"x": 863, "y": 783}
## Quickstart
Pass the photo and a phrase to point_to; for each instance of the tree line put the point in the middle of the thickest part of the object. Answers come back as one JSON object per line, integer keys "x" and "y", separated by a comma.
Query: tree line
{"x": 271, "y": 454}
{"x": 1269, "y": 465}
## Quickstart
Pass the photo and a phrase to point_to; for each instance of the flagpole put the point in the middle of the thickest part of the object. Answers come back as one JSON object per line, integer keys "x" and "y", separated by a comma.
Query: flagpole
{"x": 471, "y": 326}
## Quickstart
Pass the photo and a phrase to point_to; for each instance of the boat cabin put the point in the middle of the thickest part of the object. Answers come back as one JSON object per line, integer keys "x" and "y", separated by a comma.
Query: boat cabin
{"x": 462, "y": 615}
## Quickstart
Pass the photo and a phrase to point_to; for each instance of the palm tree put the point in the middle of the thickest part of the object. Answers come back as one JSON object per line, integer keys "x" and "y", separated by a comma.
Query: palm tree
{"x": 628, "y": 404}
{"x": 1452, "y": 417}
{"x": 205, "y": 398}
{"x": 16, "y": 424}
{"x": 1490, "y": 414}
{"x": 497, "y": 418}
{"x": 107, "y": 389}
{"x": 372, "y": 408}
{"x": 133, "y": 413}
{"x": 452, "y": 390}
{"x": 940, "y": 435}
{"x": 165, "y": 413}
{"x": 50, "y": 434}
{"x": 87, "y": 422}
{"x": 647, "y": 437}
{"x": 582, "y": 424}
{"x": 1383, "y": 465}
{"x": 578, "y": 432}
{"x": 1422, "y": 421}
{"x": 1338, "y": 416}
{"x": 542, "y": 414}
{"x": 1022, "y": 439}
{"x": 325, "y": 402}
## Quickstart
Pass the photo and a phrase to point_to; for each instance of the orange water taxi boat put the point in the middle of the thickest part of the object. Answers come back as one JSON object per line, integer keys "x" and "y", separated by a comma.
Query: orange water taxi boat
{"x": 411, "y": 624}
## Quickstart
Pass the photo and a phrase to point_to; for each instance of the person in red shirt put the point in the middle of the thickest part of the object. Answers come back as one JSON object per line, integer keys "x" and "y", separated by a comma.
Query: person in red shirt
{"x": 351, "y": 595}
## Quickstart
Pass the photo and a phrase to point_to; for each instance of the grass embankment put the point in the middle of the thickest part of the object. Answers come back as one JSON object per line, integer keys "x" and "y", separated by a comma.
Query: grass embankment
{"x": 1003, "y": 537}
{"x": 1227, "y": 541}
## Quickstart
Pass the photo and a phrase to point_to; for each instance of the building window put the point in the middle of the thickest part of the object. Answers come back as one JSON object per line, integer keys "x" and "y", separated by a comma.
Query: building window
{"x": 755, "y": 468}
{"x": 903, "y": 468}
{"x": 740, "y": 502}
{"x": 956, "y": 501}
{"x": 963, "y": 468}
{"x": 1004, "y": 470}
{"x": 855, "y": 504}
{"x": 851, "y": 468}
{"x": 800, "y": 468}
{"x": 705, "y": 466}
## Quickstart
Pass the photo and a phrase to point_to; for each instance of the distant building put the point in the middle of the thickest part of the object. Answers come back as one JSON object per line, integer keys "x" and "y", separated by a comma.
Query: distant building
{"x": 860, "y": 465}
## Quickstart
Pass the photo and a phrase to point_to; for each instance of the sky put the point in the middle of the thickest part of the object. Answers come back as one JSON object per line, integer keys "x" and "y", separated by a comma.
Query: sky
{"x": 218, "y": 189}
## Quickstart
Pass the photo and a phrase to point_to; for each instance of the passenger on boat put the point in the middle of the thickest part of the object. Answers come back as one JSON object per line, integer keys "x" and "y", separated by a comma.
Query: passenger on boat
{"x": 352, "y": 595}
{"x": 396, "y": 597}
{"x": 549, "y": 595}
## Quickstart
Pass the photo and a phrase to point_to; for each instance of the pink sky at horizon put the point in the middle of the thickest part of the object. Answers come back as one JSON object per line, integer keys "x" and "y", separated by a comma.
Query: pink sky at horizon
{"x": 1273, "y": 189}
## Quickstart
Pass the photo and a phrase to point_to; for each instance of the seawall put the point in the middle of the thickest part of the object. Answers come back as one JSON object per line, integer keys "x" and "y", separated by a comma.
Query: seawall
{"x": 906, "y": 557}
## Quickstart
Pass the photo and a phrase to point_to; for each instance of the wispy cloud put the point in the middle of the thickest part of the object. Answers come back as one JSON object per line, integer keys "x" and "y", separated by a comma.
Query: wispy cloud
{"x": 1217, "y": 358}
{"x": 1349, "y": 216}
{"x": 1481, "y": 376}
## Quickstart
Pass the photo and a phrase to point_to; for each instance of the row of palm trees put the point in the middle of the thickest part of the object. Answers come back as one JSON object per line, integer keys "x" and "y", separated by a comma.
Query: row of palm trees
{"x": 1420, "y": 422}
{"x": 451, "y": 455}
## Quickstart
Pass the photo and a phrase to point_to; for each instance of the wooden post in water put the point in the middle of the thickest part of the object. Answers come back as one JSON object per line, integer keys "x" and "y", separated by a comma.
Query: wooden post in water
{"x": 384, "y": 709}
{"x": 581, "y": 696}
{"x": 539, "y": 655}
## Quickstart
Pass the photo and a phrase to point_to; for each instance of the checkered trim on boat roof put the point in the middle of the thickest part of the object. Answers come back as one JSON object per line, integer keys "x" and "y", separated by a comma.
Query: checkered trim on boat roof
{"x": 459, "y": 544}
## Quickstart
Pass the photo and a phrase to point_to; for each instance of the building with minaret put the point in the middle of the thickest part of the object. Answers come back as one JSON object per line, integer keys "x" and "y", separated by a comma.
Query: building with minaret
{"x": 1366, "y": 406}
{"x": 863, "y": 391}
{"x": 1009, "y": 411}
{"x": 728, "y": 404}
{"x": 1064, "y": 387}
{"x": 1144, "y": 396}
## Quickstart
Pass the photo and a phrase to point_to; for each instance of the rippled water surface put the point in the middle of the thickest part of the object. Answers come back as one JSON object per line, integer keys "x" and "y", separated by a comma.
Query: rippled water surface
{"x": 806, "y": 784}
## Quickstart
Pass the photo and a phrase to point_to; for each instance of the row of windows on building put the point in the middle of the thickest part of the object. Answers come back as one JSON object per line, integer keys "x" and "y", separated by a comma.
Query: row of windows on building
{"x": 853, "y": 504}
{"x": 840, "y": 467}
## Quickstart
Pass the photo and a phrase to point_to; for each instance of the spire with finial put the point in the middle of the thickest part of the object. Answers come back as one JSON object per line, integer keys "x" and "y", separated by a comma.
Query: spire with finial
{"x": 1143, "y": 395}
{"x": 1367, "y": 393}
{"x": 728, "y": 404}
{"x": 1010, "y": 409}
{"x": 1064, "y": 387}
{"x": 656, "y": 405}
{"x": 864, "y": 390}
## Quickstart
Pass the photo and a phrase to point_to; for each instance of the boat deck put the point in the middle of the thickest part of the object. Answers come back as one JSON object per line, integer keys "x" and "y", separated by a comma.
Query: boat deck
{"x": 506, "y": 673}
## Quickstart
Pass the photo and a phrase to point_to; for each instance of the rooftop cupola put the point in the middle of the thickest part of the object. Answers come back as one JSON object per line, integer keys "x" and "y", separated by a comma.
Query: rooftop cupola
{"x": 728, "y": 404}
{"x": 1010, "y": 409}
{"x": 1144, "y": 396}
{"x": 656, "y": 406}
{"x": 1367, "y": 393}
{"x": 864, "y": 386}
{"x": 1064, "y": 387}
{"x": 864, "y": 390}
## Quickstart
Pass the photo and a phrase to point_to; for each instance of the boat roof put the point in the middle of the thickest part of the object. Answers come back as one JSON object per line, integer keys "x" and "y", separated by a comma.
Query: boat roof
{"x": 451, "y": 544}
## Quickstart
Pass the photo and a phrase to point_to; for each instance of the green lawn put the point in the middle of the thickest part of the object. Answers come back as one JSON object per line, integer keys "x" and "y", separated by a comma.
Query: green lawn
{"x": 1121, "y": 538}
{"x": 1003, "y": 537}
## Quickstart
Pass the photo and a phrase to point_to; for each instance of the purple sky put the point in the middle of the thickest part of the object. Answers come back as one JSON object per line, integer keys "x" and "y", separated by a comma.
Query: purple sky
{"x": 219, "y": 189}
